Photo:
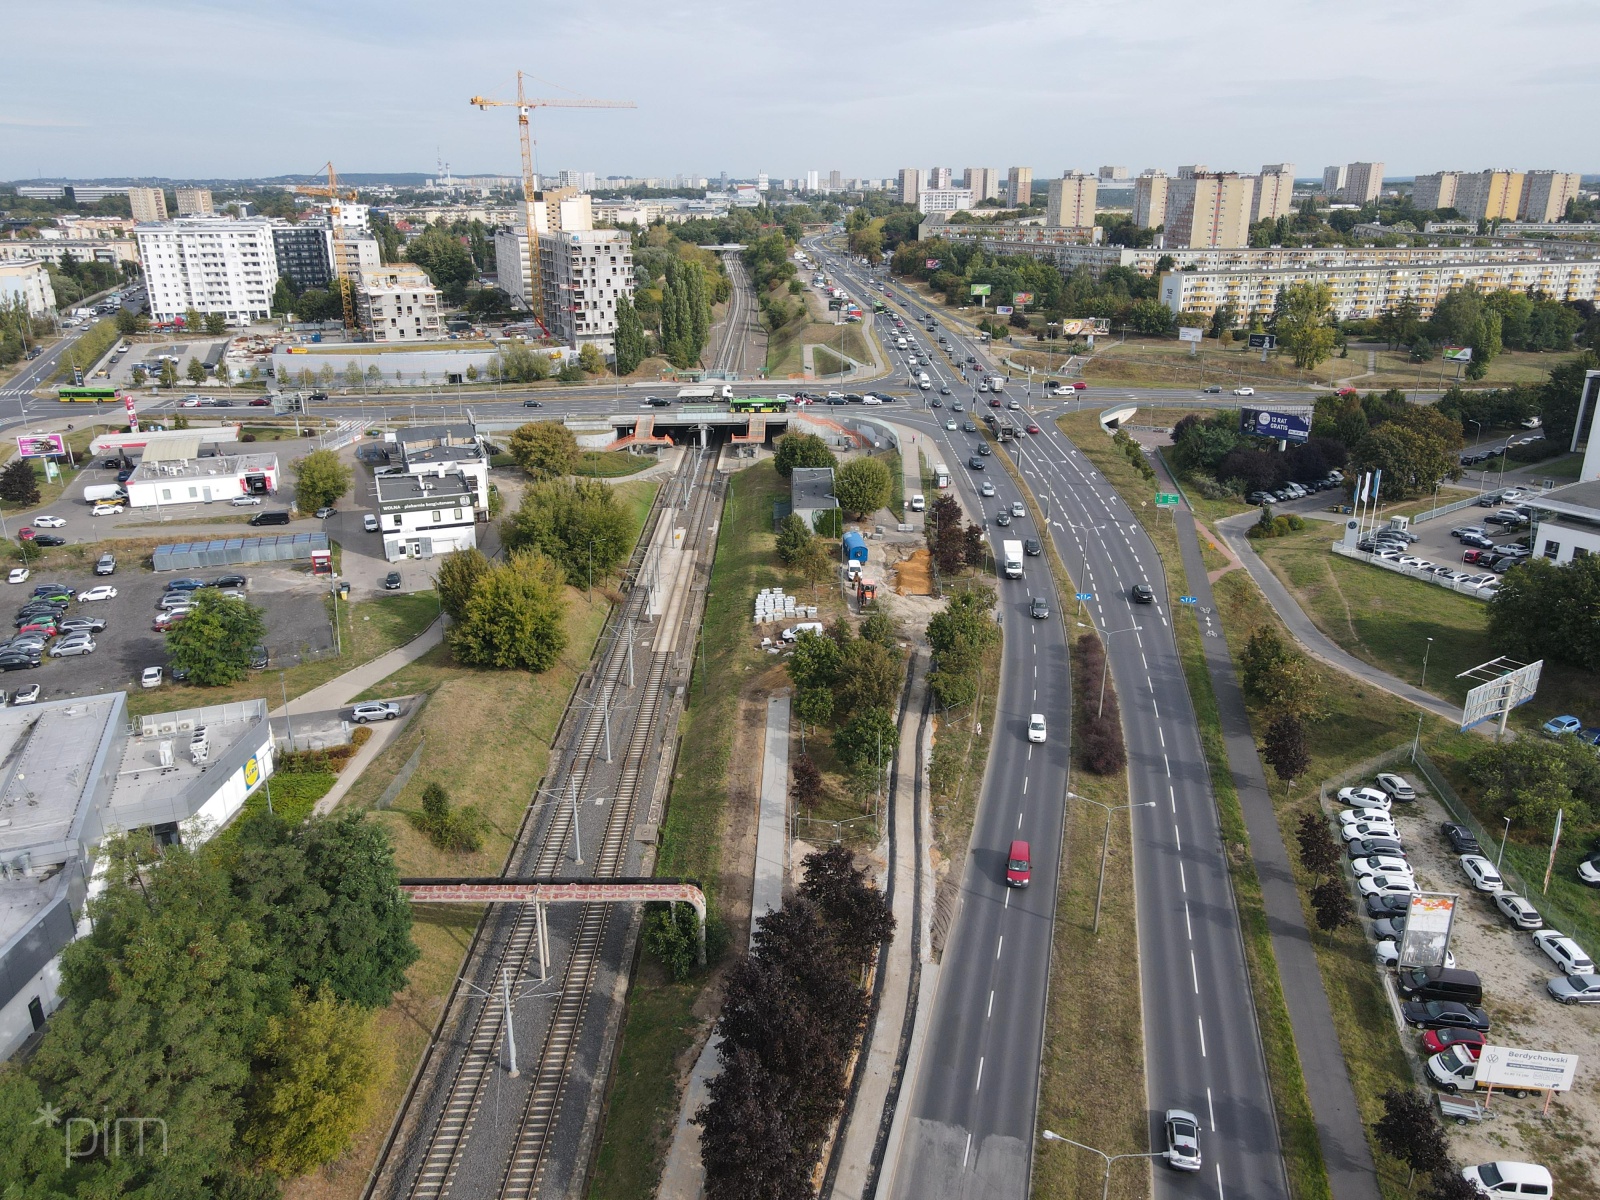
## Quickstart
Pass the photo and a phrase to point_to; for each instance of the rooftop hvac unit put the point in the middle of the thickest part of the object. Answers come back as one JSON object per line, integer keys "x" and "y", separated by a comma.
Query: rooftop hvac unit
{"x": 164, "y": 752}
{"x": 199, "y": 746}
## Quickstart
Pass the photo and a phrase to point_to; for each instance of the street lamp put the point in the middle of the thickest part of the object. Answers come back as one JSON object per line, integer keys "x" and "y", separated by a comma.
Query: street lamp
{"x": 1052, "y": 1136}
{"x": 1105, "y": 844}
{"x": 1503, "y": 836}
{"x": 1425, "y": 654}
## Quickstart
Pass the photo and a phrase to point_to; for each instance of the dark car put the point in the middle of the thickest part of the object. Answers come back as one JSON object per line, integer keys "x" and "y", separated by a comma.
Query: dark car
{"x": 1477, "y": 541}
{"x": 318, "y": 397}
{"x": 17, "y": 662}
{"x": 1366, "y": 847}
{"x": 227, "y": 581}
{"x": 936, "y": 403}
{"x": 650, "y": 402}
{"x": 968, "y": 427}
{"x": 48, "y": 539}
{"x": 1213, "y": 390}
{"x": 270, "y": 518}
{"x": 1444, "y": 1014}
{"x": 975, "y": 463}
{"x": 1462, "y": 840}
{"x": 1031, "y": 547}
{"x": 1387, "y": 905}
{"x": 533, "y": 404}
{"x": 944, "y": 391}
{"x": 186, "y": 584}
{"x": 258, "y": 402}
{"x": 391, "y": 581}
{"x": 258, "y": 657}
{"x": 1039, "y": 608}
{"x": 984, "y": 450}
{"x": 125, "y": 474}
{"x": 1143, "y": 593}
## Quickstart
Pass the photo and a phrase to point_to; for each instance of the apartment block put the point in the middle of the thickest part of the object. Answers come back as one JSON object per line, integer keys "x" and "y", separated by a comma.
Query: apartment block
{"x": 194, "y": 202}
{"x": 944, "y": 200}
{"x": 1019, "y": 185}
{"x": 1437, "y": 190}
{"x": 1545, "y": 195}
{"x": 28, "y": 283}
{"x": 1193, "y": 169}
{"x": 211, "y": 265}
{"x": 553, "y": 211}
{"x": 355, "y": 253}
{"x": 1333, "y": 180}
{"x": 1071, "y": 201}
{"x": 983, "y": 183}
{"x": 1489, "y": 195}
{"x": 148, "y": 204}
{"x": 1274, "y": 192}
{"x": 1150, "y": 199}
{"x": 813, "y": 181}
{"x": 1363, "y": 182}
{"x": 1113, "y": 174}
{"x": 582, "y": 275}
{"x": 910, "y": 184}
{"x": 398, "y": 303}
{"x": 939, "y": 178}
{"x": 1212, "y": 209}
{"x": 304, "y": 253}
{"x": 835, "y": 181}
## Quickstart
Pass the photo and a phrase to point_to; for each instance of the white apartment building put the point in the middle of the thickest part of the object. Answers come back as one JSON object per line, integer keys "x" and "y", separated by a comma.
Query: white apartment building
{"x": 910, "y": 184}
{"x": 1274, "y": 192}
{"x": 209, "y": 264}
{"x": 28, "y": 282}
{"x": 398, "y": 303}
{"x": 1545, "y": 195}
{"x": 1211, "y": 209}
{"x": 148, "y": 204}
{"x": 1362, "y": 291}
{"x": 354, "y": 254}
{"x": 582, "y": 275}
{"x": 59, "y": 250}
{"x": 424, "y": 514}
{"x": 1071, "y": 201}
{"x": 555, "y": 210}
{"x": 813, "y": 181}
{"x": 1150, "y": 199}
{"x": 194, "y": 202}
{"x": 932, "y": 200}
{"x": 983, "y": 183}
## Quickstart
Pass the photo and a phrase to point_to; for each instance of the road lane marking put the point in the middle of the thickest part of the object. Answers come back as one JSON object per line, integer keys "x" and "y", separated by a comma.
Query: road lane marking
{"x": 1219, "y": 1179}
{"x": 1154, "y": 707}
{"x": 1159, "y": 731}
{"x": 1007, "y": 904}
{"x": 1201, "y": 1022}
{"x": 1212, "y": 1109}
{"x": 1024, "y": 785}
{"x": 989, "y": 1012}
{"x": 1194, "y": 973}
{"x": 968, "y": 1151}
{"x": 1183, "y": 880}
{"x": 1178, "y": 838}
{"x": 1172, "y": 798}
{"x": 1000, "y": 945}
{"x": 979, "y": 1083}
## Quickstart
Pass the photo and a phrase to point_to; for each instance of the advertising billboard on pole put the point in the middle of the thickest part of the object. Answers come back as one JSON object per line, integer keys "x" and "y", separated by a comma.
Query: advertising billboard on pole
{"x": 1189, "y": 334}
{"x": 1022, "y": 299}
{"x": 931, "y": 264}
{"x": 981, "y": 289}
{"x": 1003, "y": 310}
{"x": 1263, "y": 341}
{"x": 39, "y": 445}
{"x": 1506, "y": 685}
{"x": 1426, "y": 940}
{"x": 1276, "y": 423}
{"x": 1511, "y": 1067}
{"x": 1457, "y": 354}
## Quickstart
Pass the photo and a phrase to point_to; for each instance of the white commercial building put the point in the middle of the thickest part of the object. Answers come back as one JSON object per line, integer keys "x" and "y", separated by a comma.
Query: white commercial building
{"x": 28, "y": 282}
{"x": 174, "y": 473}
{"x": 211, "y": 265}
{"x": 932, "y": 200}
{"x": 582, "y": 275}
{"x": 398, "y": 303}
{"x": 425, "y": 514}
{"x": 427, "y": 449}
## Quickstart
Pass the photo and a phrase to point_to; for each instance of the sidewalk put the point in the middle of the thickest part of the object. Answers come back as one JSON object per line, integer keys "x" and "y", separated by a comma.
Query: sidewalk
{"x": 911, "y": 444}
{"x": 1352, "y": 1175}
{"x": 339, "y": 691}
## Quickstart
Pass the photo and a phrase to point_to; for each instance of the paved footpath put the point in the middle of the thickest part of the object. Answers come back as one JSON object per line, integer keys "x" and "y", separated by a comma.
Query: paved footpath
{"x": 1352, "y": 1173}
{"x": 342, "y": 689}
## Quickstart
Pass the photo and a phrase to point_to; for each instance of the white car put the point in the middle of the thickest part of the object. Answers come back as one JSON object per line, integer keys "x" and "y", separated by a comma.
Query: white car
{"x": 1396, "y": 787}
{"x": 1367, "y": 829}
{"x": 1351, "y": 816}
{"x": 1364, "y": 797}
{"x": 1564, "y": 952}
{"x": 191, "y": 402}
{"x": 950, "y": 424}
{"x": 1481, "y": 872}
{"x": 1381, "y": 864}
{"x": 1518, "y": 911}
{"x": 104, "y": 592}
{"x": 1244, "y": 391}
{"x": 1036, "y": 727}
{"x": 986, "y": 489}
{"x": 26, "y": 695}
{"x": 1018, "y": 509}
{"x": 150, "y": 677}
{"x": 18, "y": 575}
{"x": 1386, "y": 885}
{"x": 835, "y": 395}
{"x": 49, "y": 522}
{"x": 106, "y": 510}
{"x": 244, "y": 501}
{"x": 72, "y": 646}
{"x": 784, "y": 398}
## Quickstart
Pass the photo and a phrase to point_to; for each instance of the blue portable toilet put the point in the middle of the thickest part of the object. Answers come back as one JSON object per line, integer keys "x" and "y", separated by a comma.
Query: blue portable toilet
{"x": 855, "y": 548}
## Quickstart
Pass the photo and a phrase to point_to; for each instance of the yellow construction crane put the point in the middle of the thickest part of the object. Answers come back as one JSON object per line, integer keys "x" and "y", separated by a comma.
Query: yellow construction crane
{"x": 524, "y": 105}
{"x": 335, "y": 213}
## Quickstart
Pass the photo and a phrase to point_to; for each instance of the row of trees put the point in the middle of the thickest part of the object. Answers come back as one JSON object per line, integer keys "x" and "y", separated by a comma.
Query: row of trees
{"x": 1530, "y": 779}
{"x": 1283, "y": 682}
{"x": 1545, "y": 611}
{"x": 802, "y": 549}
{"x": 19, "y": 331}
{"x": 793, "y": 1012}
{"x": 518, "y": 363}
{"x": 960, "y": 635}
{"x": 227, "y": 992}
{"x": 952, "y": 544}
{"x": 1323, "y": 858}
{"x": 851, "y": 683}
{"x": 1097, "y": 716}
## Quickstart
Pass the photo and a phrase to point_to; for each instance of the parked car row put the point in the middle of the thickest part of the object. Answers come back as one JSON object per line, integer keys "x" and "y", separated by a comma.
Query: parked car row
{"x": 1298, "y": 490}
{"x": 43, "y": 626}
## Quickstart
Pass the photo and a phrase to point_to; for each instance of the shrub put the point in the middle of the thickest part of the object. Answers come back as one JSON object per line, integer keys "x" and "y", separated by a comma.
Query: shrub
{"x": 361, "y": 735}
{"x": 448, "y": 828}
{"x": 1099, "y": 729}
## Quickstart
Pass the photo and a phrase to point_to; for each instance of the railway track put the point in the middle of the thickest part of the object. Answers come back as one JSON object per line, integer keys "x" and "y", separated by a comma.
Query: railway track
{"x": 461, "y": 1100}
{"x": 737, "y": 324}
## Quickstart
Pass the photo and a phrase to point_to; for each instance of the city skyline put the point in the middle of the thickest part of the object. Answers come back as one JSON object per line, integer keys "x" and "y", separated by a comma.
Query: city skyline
{"x": 1339, "y": 107}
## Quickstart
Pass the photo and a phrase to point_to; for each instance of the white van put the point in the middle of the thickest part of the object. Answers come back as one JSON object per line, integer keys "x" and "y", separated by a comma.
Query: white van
{"x": 918, "y": 503}
{"x": 794, "y": 631}
{"x": 899, "y": 343}
{"x": 1510, "y": 1179}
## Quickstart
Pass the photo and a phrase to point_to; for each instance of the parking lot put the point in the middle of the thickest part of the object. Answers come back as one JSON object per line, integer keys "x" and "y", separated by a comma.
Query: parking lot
{"x": 291, "y": 600}
{"x": 1522, "y": 1014}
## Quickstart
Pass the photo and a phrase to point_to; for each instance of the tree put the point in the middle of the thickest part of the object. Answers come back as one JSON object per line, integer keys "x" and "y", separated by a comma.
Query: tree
{"x": 1449, "y": 1184}
{"x": 19, "y": 483}
{"x": 1286, "y": 749}
{"x": 879, "y": 627}
{"x": 1319, "y": 853}
{"x": 316, "y": 1078}
{"x": 193, "y": 322}
{"x": 630, "y": 339}
{"x": 862, "y": 485}
{"x": 801, "y": 450}
{"x": 857, "y": 912}
{"x": 320, "y": 479}
{"x": 807, "y": 786}
{"x": 1413, "y": 460}
{"x": 448, "y": 828}
{"x": 1409, "y": 1131}
{"x": 213, "y": 643}
{"x": 1303, "y": 322}
{"x": 458, "y": 574}
{"x": 169, "y": 373}
{"x": 1541, "y": 610}
{"x": 747, "y": 1142}
{"x": 1331, "y": 904}
{"x": 815, "y": 662}
{"x": 685, "y": 313}
{"x": 815, "y": 562}
{"x": 516, "y": 616}
{"x": 196, "y": 371}
{"x": 1530, "y": 779}
{"x": 591, "y": 360}
{"x": 544, "y": 449}
{"x": 139, "y": 376}
{"x": 448, "y": 263}
{"x": 794, "y": 538}
{"x": 578, "y": 523}
{"x": 127, "y": 321}
{"x": 870, "y": 676}
{"x": 216, "y": 324}
{"x": 1560, "y": 395}
{"x": 867, "y": 739}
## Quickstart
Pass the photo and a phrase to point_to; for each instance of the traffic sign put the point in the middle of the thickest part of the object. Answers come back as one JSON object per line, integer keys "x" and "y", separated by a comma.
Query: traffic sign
{"x": 1167, "y": 499}
{"x": 1085, "y": 596}
{"x": 1187, "y": 600}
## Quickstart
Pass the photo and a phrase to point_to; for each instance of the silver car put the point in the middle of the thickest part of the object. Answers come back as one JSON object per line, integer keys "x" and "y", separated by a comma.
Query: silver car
{"x": 1182, "y": 1130}
{"x": 1575, "y": 989}
{"x": 71, "y": 646}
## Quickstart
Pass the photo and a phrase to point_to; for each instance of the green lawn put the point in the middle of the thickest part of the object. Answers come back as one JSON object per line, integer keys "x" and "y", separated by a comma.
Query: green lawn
{"x": 612, "y": 464}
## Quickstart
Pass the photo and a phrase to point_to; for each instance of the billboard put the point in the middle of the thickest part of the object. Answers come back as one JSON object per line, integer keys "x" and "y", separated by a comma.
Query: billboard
{"x": 1263, "y": 341}
{"x": 981, "y": 289}
{"x": 1426, "y": 940}
{"x": 1079, "y": 326}
{"x": 1189, "y": 334}
{"x": 1457, "y": 354}
{"x": 1507, "y": 1066}
{"x": 1508, "y": 688}
{"x": 1022, "y": 298}
{"x": 38, "y": 445}
{"x": 1273, "y": 423}
{"x": 1003, "y": 310}
{"x": 931, "y": 264}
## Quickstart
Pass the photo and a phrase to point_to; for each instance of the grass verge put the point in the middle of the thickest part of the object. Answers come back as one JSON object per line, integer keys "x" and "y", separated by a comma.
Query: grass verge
{"x": 612, "y": 464}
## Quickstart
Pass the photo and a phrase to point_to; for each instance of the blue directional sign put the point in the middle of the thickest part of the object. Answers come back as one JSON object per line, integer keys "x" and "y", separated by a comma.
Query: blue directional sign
{"x": 1085, "y": 595}
{"x": 1187, "y": 600}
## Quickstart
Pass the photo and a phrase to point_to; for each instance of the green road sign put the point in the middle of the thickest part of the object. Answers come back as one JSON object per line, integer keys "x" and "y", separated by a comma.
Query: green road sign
{"x": 1167, "y": 499}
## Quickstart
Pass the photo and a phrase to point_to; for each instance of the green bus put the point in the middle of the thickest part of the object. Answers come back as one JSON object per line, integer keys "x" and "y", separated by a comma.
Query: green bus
{"x": 758, "y": 404}
{"x": 69, "y": 393}
{"x": 879, "y": 306}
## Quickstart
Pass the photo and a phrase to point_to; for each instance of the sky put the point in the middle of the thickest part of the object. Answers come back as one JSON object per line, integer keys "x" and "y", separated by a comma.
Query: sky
{"x": 205, "y": 89}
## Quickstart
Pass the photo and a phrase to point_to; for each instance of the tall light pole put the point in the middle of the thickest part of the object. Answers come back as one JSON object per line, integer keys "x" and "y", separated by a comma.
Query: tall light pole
{"x": 1503, "y": 836}
{"x": 1052, "y": 1136}
{"x": 1105, "y": 845}
{"x": 1425, "y": 654}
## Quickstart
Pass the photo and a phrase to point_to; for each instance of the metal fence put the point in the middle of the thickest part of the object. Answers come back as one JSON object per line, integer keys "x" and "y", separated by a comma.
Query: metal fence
{"x": 1454, "y": 585}
{"x": 232, "y": 552}
{"x": 1444, "y": 510}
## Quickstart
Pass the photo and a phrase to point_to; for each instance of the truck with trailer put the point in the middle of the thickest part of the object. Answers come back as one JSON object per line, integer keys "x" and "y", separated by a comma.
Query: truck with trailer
{"x": 720, "y": 391}
{"x": 1011, "y": 558}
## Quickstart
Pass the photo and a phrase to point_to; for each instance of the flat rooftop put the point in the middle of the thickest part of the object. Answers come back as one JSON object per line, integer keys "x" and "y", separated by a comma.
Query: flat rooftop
{"x": 202, "y": 468}
{"x": 398, "y": 487}
{"x": 151, "y": 780}
{"x": 46, "y": 773}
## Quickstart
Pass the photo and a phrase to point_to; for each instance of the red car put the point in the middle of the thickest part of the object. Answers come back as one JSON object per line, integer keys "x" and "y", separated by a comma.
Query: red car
{"x": 1033, "y": 429}
{"x": 26, "y": 533}
{"x": 48, "y": 628}
{"x": 260, "y": 402}
{"x": 994, "y": 403}
{"x": 1019, "y": 864}
{"x": 1436, "y": 1040}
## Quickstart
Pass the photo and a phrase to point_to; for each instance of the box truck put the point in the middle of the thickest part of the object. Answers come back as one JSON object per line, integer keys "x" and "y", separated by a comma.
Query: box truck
{"x": 1011, "y": 559}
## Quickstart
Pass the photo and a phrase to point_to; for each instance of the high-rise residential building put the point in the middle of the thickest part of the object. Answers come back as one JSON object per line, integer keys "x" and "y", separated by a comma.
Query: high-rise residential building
{"x": 932, "y": 200}
{"x": 1363, "y": 182}
{"x": 1489, "y": 195}
{"x": 1438, "y": 190}
{"x": 148, "y": 204}
{"x": 582, "y": 275}
{"x": 1545, "y": 194}
{"x": 1150, "y": 199}
{"x": 211, "y": 265}
{"x": 910, "y": 184}
{"x": 812, "y": 181}
{"x": 939, "y": 178}
{"x": 1333, "y": 180}
{"x": 553, "y": 210}
{"x": 354, "y": 253}
{"x": 398, "y": 303}
{"x": 1113, "y": 174}
{"x": 763, "y": 182}
{"x": 1193, "y": 169}
{"x": 983, "y": 183}
{"x": 305, "y": 253}
{"x": 835, "y": 181}
{"x": 193, "y": 202}
{"x": 1019, "y": 185}
{"x": 582, "y": 181}
{"x": 27, "y": 283}
{"x": 1212, "y": 209}
{"x": 1274, "y": 192}
{"x": 1071, "y": 202}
